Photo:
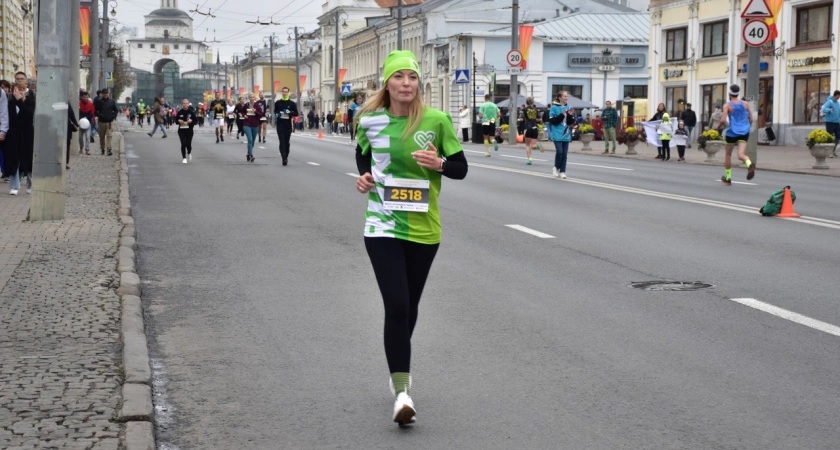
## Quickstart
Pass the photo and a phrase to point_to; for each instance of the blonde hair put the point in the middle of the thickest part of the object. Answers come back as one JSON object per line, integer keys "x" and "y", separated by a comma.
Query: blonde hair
{"x": 381, "y": 99}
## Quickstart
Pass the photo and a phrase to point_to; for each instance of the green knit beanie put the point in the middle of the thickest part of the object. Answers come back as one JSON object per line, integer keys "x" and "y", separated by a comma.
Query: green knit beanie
{"x": 400, "y": 60}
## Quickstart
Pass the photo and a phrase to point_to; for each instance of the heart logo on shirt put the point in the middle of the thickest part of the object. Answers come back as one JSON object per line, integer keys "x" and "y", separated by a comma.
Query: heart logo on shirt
{"x": 424, "y": 138}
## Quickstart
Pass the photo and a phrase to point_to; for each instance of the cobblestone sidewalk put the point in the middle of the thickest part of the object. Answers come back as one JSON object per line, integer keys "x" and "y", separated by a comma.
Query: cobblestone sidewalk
{"x": 60, "y": 349}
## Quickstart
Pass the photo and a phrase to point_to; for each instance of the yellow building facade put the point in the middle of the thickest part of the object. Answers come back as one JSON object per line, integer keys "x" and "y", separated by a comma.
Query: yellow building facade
{"x": 697, "y": 49}
{"x": 17, "y": 50}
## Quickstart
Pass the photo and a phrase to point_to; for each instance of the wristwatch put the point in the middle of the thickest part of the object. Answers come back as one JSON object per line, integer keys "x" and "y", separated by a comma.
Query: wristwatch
{"x": 442, "y": 164}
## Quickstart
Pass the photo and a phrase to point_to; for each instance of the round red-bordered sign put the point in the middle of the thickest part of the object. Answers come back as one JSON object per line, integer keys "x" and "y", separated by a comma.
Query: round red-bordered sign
{"x": 756, "y": 33}
{"x": 514, "y": 58}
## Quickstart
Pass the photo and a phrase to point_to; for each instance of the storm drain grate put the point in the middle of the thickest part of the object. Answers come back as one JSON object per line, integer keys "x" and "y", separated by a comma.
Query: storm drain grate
{"x": 670, "y": 285}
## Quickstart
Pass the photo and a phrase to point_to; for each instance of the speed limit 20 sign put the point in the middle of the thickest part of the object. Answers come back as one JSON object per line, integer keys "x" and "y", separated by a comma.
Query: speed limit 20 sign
{"x": 756, "y": 33}
{"x": 514, "y": 58}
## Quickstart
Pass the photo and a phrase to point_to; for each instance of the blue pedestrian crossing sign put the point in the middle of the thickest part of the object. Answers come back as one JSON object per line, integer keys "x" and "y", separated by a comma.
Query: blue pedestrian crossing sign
{"x": 346, "y": 89}
{"x": 462, "y": 76}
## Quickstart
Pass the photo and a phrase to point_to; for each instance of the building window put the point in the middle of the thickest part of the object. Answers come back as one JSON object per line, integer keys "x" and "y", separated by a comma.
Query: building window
{"x": 675, "y": 44}
{"x": 151, "y": 45}
{"x": 674, "y": 100}
{"x": 637, "y": 91}
{"x": 715, "y": 38}
{"x": 176, "y": 46}
{"x": 813, "y": 24}
{"x": 809, "y": 94}
{"x": 139, "y": 45}
{"x": 332, "y": 58}
{"x": 713, "y": 97}
{"x": 574, "y": 90}
{"x": 189, "y": 47}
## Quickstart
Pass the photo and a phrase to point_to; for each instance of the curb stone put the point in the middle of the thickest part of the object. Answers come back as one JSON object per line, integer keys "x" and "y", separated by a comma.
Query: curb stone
{"x": 137, "y": 407}
{"x": 136, "y": 403}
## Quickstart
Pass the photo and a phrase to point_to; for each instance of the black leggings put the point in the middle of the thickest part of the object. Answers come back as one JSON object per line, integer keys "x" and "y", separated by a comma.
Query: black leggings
{"x": 666, "y": 148}
{"x": 185, "y": 135}
{"x": 401, "y": 268}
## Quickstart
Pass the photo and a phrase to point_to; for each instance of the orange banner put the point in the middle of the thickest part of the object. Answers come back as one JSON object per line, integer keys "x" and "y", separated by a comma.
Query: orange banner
{"x": 775, "y": 6}
{"x": 341, "y": 73}
{"x": 256, "y": 88}
{"x": 84, "y": 26}
{"x": 303, "y": 82}
{"x": 526, "y": 32}
{"x": 276, "y": 86}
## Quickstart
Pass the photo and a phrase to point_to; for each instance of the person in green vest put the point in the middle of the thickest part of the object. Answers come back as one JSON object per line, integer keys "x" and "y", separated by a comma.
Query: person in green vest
{"x": 403, "y": 151}
{"x": 489, "y": 114}
{"x": 141, "y": 111}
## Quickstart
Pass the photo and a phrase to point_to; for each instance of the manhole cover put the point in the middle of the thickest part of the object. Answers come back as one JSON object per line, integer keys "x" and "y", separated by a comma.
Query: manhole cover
{"x": 670, "y": 285}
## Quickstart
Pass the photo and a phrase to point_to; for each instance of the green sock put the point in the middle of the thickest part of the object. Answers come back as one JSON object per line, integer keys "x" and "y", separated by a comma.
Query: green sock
{"x": 747, "y": 163}
{"x": 401, "y": 382}
{"x": 728, "y": 174}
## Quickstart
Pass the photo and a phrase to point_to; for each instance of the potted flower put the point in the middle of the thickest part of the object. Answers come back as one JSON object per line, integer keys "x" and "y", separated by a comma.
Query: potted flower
{"x": 821, "y": 143}
{"x": 710, "y": 142}
{"x": 630, "y": 136}
{"x": 587, "y": 134}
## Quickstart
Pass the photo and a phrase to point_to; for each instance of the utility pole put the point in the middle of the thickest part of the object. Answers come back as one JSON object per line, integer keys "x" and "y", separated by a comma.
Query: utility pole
{"x": 106, "y": 44}
{"x": 514, "y": 86}
{"x": 53, "y": 62}
{"x": 753, "y": 61}
{"x": 236, "y": 63}
{"x": 337, "y": 86}
{"x": 74, "y": 67}
{"x": 399, "y": 25}
{"x": 297, "y": 69}
{"x": 95, "y": 49}
{"x": 253, "y": 68}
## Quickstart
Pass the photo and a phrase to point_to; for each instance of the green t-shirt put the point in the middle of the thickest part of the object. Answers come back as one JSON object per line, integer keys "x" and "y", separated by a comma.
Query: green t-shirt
{"x": 380, "y": 134}
{"x": 489, "y": 111}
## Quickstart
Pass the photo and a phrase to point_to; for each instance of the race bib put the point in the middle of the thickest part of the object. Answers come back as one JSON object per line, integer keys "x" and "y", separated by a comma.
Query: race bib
{"x": 403, "y": 194}
{"x": 251, "y": 111}
{"x": 231, "y": 116}
{"x": 263, "y": 119}
{"x": 183, "y": 127}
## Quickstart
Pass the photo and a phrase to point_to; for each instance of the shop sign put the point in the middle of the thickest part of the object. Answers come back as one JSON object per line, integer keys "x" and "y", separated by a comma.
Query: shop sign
{"x": 599, "y": 59}
{"x": 675, "y": 73}
{"x": 809, "y": 61}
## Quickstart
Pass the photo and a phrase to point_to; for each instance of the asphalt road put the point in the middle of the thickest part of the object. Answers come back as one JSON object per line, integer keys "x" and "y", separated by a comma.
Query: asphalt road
{"x": 265, "y": 318}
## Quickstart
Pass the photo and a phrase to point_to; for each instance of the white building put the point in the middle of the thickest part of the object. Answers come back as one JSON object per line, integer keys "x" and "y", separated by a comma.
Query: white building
{"x": 168, "y": 42}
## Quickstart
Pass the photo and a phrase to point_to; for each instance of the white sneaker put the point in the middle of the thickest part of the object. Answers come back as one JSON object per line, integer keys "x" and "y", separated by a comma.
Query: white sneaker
{"x": 562, "y": 175}
{"x": 13, "y": 192}
{"x": 404, "y": 412}
{"x": 554, "y": 172}
{"x": 28, "y": 190}
{"x": 189, "y": 157}
{"x": 184, "y": 161}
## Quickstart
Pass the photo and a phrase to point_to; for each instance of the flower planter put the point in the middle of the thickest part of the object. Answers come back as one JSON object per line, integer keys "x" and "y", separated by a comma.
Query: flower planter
{"x": 631, "y": 147}
{"x": 586, "y": 139}
{"x": 820, "y": 152}
{"x": 711, "y": 148}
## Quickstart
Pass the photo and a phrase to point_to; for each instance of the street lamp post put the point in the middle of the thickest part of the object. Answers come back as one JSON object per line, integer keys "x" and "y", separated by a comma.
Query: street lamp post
{"x": 339, "y": 16}
{"x": 106, "y": 39}
{"x": 295, "y": 31}
{"x": 272, "y": 41}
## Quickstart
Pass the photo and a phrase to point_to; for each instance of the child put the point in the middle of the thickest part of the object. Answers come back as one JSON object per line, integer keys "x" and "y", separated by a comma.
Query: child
{"x": 664, "y": 130}
{"x": 680, "y": 139}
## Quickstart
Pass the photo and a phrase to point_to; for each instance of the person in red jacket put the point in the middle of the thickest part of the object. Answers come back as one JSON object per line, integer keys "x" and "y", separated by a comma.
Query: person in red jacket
{"x": 86, "y": 111}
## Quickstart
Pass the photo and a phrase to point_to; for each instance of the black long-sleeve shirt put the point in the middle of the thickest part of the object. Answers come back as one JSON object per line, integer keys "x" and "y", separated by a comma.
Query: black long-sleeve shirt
{"x": 454, "y": 168}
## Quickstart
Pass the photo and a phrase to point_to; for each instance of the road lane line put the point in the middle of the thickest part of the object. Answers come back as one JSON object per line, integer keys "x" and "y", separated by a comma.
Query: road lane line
{"x": 789, "y": 315}
{"x": 536, "y": 233}
{"x": 548, "y": 160}
{"x": 313, "y": 163}
{"x": 601, "y": 167}
{"x": 354, "y": 175}
{"x": 739, "y": 182}
{"x": 826, "y": 223}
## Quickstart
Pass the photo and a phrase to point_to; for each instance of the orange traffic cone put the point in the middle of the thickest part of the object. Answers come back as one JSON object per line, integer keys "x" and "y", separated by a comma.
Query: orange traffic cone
{"x": 320, "y": 134}
{"x": 787, "y": 205}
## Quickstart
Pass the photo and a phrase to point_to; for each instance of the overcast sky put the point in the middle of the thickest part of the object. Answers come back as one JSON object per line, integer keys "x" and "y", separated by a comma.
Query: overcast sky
{"x": 229, "y": 26}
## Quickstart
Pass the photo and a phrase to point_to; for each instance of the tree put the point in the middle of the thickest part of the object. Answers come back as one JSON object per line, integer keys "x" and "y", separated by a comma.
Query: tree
{"x": 122, "y": 75}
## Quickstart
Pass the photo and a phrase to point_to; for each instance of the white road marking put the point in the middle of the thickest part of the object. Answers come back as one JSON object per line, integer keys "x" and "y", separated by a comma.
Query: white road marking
{"x": 789, "y": 315}
{"x": 536, "y": 233}
{"x": 547, "y": 160}
{"x": 313, "y": 163}
{"x": 700, "y": 201}
{"x": 354, "y": 175}
{"x": 261, "y": 147}
{"x": 739, "y": 182}
{"x": 600, "y": 167}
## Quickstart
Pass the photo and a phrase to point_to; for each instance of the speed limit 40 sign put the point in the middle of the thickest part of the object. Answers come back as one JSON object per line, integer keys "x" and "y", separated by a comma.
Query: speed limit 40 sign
{"x": 514, "y": 58}
{"x": 756, "y": 33}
